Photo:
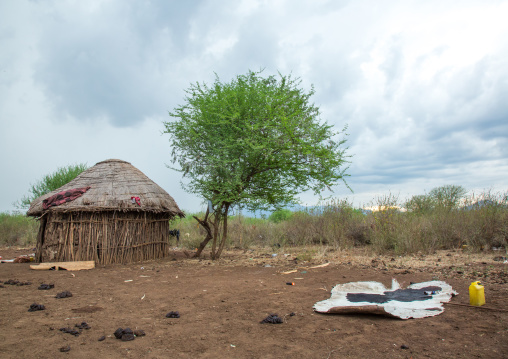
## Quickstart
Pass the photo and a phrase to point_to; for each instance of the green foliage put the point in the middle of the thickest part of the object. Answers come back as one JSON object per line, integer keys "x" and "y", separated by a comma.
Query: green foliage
{"x": 445, "y": 197}
{"x": 483, "y": 224}
{"x": 448, "y": 196}
{"x": 280, "y": 215}
{"x": 17, "y": 230}
{"x": 420, "y": 204}
{"x": 51, "y": 182}
{"x": 254, "y": 141}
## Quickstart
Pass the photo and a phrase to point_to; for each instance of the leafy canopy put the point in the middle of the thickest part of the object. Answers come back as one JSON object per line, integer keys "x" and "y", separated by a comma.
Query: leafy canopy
{"x": 256, "y": 141}
{"x": 51, "y": 182}
{"x": 448, "y": 196}
{"x": 444, "y": 197}
{"x": 280, "y": 215}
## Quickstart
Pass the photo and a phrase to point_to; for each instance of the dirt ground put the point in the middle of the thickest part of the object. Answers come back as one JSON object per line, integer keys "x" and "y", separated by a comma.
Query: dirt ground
{"x": 222, "y": 303}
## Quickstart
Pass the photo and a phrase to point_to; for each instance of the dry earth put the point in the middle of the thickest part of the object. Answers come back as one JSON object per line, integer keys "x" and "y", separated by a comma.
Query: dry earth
{"x": 222, "y": 303}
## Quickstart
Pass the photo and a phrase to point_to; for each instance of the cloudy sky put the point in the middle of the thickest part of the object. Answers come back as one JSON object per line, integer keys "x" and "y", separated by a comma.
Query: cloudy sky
{"x": 422, "y": 85}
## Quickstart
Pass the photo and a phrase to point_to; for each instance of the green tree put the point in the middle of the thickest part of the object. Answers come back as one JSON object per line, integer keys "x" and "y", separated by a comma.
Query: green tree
{"x": 51, "y": 182}
{"x": 420, "y": 204}
{"x": 448, "y": 196}
{"x": 445, "y": 197}
{"x": 256, "y": 142}
{"x": 280, "y": 215}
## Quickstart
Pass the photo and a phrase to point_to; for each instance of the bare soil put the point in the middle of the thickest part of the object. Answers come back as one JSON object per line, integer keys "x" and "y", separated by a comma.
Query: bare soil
{"x": 222, "y": 303}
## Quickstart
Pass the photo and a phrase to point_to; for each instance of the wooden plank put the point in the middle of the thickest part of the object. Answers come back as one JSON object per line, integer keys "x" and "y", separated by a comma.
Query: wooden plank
{"x": 71, "y": 266}
{"x": 321, "y": 265}
{"x": 289, "y": 272}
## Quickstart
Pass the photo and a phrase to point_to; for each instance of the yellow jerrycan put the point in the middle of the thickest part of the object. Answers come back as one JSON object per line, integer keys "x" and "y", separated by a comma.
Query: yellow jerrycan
{"x": 476, "y": 294}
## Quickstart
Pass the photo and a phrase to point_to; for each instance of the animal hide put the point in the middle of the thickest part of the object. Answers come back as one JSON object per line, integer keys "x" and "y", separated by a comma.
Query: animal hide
{"x": 419, "y": 300}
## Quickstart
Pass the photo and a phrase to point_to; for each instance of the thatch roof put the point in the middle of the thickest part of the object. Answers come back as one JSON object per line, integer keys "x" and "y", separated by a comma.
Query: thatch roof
{"x": 112, "y": 184}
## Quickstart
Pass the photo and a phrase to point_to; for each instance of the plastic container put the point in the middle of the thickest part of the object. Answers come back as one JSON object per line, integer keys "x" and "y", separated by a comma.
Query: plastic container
{"x": 476, "y": 294}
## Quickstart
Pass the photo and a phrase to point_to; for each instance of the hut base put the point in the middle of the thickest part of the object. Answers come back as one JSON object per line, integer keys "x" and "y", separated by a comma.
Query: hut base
{"x": 105, "y": 237}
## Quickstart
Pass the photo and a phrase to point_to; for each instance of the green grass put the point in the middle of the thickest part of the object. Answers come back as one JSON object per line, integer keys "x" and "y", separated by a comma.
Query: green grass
{"x": 17, "y": 230}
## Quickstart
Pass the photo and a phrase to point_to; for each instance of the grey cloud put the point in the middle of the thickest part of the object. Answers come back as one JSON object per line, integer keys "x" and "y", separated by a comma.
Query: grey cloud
{"x": 467, "y": 104}
{"x": 104, "y": 67}
{"x": 124, "y": 61}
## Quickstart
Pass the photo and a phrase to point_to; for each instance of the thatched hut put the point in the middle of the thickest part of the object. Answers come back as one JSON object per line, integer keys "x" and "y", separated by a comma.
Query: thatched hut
{"x": 113, "y": 213}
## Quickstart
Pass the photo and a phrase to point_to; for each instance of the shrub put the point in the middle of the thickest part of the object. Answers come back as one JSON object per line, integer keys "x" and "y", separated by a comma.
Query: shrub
{"x": 280, "y": 215}
{"x": 448, "y": 196}
{"x": 482, "y": 223}
{"x": 17, "y": 230}
{"x": 420, "y": 204}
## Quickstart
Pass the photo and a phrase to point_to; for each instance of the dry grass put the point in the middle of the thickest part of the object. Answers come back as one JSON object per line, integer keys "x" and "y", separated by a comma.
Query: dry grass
{"x": 337, "y": 226}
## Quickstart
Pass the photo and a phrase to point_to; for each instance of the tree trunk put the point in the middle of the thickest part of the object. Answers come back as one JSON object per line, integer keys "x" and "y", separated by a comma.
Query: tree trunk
{"x": 216, "y": 226}
{"x": 214, "y": 232}
{"x": 224, "y": 231}
{"x": 209, "y": 236}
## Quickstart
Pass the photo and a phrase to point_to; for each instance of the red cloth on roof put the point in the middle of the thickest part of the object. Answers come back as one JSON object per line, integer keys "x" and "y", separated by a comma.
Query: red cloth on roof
{"x": 63, "y": 197}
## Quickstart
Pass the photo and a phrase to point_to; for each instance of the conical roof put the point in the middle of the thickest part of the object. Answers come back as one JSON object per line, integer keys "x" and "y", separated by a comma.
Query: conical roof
{"x": 112, "y": 184}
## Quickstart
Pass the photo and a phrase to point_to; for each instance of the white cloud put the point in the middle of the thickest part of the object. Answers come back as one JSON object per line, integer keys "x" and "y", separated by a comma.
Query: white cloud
{"x": 422, "y": 85}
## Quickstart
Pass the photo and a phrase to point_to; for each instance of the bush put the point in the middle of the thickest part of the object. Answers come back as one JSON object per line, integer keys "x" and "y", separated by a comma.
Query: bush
{"x": 448, "y": 196}
{"x": 17, "y": 230}
{"x": 420, "y": 204}
{"x": 481, "y": 224}
{"x": 280, "y": 215}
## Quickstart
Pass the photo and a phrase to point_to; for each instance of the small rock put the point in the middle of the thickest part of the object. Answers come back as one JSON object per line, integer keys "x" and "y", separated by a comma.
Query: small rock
{"x": 83, "y": 325}
{"x": 139, "y": 333}
{"x": 65, "y": 349}
{"x": 118, "y": 333}
{"x": 65, "y": 294}
{"x": 173, "y": 314}
{"x": 124, "y": 334}
{"x": 70, "y": 331}
{"x": 46, "y": 286}
{"x": 404, "y": 346}
{"x": 272, "y": 319}
{"x": 102, "y": 338}
{"x": 127, "y": 337}
{"x": 35, "y": 307}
